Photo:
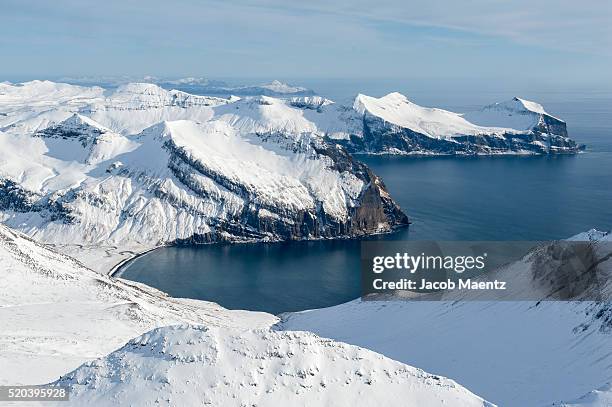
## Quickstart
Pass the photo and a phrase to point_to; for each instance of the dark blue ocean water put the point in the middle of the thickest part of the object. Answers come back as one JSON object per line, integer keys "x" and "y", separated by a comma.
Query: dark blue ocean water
{"x": 494, "y": 198}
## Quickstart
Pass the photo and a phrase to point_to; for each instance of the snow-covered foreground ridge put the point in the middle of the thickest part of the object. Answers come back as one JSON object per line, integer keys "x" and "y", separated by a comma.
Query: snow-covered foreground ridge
{"x": 145, "y": 166}
{"x": 515, "y": 354}
{"x": 56, "y": 314}
{"x": 190, "y": 365}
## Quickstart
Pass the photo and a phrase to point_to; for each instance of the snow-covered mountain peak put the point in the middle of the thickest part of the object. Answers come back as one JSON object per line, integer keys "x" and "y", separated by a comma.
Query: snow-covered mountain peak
{"x": 266, "y": 100}
{"x": 145, "y": 88}
{"x": 181, "y": 343}
{"x": 78, "y": 120}
{"x": 75, "y": 125}
{"x": 517, "y": 105}
{"x": 529, "y": 105}
{"x": 150, "y": 95}
{"x": 518, "y": 114}
{"x": 37, "y": 86}
{"x": 81, "y": 139}
{"x": 282, "y": 88}
{"x": 396, "y": 97}
{"x": 363, "y": 103}
{"x": 396, "y": 109}
{"x": 359, "y": 103}
{"x": 136, "y": 106}
{"x": 172, "y": 129}
{"x": 158, "y": 130}
{"x": 310, "y": 102}
{"x": 265, "y": 114}
{"x": 193, "y": 365}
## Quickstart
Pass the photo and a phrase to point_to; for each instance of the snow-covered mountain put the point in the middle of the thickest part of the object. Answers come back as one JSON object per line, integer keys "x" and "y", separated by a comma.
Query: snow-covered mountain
{"x": 514, "y": 353}
{"x": 392, "y": 124}
{"x": 203, "y": 86}
{"x": 147, "y": 166}
{"x": 114, "y": 170}
{"x": 32, "y": 106}
{"x": 197, "y": 85}
{"x": 56, "y": 315}
{"x": 194, "y": 365}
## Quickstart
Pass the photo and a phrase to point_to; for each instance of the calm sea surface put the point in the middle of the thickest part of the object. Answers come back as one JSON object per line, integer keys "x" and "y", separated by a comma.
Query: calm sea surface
{"x": 496, "y": 198}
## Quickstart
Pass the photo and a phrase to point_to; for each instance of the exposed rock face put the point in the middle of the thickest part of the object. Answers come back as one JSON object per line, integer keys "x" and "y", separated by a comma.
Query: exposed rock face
{"x": 381, "y": 137}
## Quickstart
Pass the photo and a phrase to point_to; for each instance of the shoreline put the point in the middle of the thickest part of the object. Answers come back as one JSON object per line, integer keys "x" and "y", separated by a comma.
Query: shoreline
{"x": 117, "y": 266}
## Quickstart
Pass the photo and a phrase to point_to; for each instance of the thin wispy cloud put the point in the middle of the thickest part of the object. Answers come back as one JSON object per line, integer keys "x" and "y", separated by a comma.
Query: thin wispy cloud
{"x": 318, "y": 38}
{"x": 578, "y": 26}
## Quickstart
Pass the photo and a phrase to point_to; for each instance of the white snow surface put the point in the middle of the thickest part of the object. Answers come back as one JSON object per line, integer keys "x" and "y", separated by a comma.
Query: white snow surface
{"x": 601, "y": 397}
{"x": 56, "y": 314}
{"x": 395, "y": 108}
{"x": 516, "y": 113}
{"x": 511, "y": 353}
{"x": 195, "y": 365}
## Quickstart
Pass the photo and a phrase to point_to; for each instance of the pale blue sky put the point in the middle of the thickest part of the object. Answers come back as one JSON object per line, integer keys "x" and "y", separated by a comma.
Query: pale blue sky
{"x": 557, "y": 42}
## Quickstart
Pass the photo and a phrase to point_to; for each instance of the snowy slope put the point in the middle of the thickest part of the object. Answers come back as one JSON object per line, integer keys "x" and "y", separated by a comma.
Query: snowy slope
{"x": 601, "y": 397}
{"x": 55, "y": 313}
{"x": 194, "y": 365}
{"x": 396, "y": 109}
{"x": 516, "y": 113}
{"x": 512, "y": 353}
